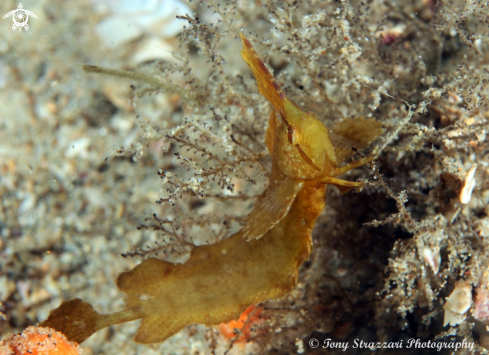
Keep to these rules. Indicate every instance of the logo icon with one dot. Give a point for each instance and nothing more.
(20, 17)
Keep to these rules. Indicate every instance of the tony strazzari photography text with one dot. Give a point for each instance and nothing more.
(409, 344)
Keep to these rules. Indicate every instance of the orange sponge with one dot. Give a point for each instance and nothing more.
(249, 318)
(38, 341)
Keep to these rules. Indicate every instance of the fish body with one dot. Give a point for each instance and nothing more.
(260, 262)
(220, 281)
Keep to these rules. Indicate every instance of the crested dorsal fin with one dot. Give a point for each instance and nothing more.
(267, 86)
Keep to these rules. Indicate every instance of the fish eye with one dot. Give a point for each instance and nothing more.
(290, 134)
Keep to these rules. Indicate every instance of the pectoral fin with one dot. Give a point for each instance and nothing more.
(271, 208)
(352, 134)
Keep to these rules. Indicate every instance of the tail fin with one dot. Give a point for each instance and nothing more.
(76, 319)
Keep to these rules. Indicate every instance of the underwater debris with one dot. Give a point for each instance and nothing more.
(259, 262)
(469, 185)
(432, 258)
(481, 309)
(481, 304)
(457, 304)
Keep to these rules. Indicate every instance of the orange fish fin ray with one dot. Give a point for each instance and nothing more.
(355, 164)
(343, 185)
(353, 134)
(267, 86)
(271, 208)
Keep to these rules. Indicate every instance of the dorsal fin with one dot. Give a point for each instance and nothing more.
(267, 86)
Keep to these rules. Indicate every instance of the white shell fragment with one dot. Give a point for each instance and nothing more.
(466, 192)
(457, 304)
(129, 19)
(300, 345)
(152, 49)
(432, 258)
(116, 31)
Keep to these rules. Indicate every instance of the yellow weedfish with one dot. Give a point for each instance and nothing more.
(259, 262)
